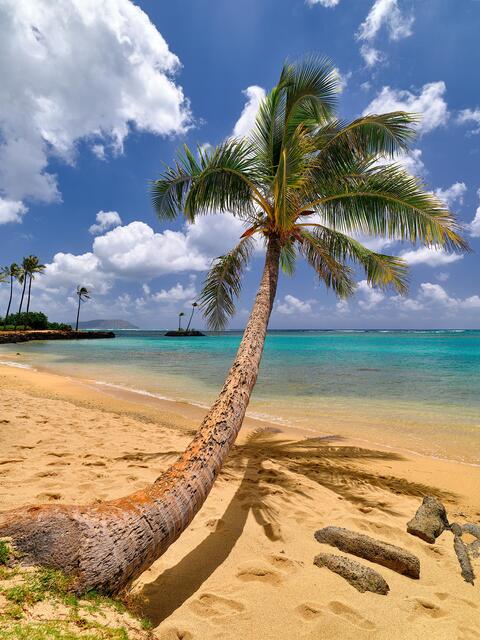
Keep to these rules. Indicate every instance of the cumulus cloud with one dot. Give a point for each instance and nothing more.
(370, 55)
(386, 13)
(11, 210)
(177, 293)
(430, 256)
(437, 294)
(452, 194)
(255, 95)
(466, 116)
(136, 251)
(325, 3)
(292, 305)
(78, 70)
(105, 220)
(429, 103)
(371, 297)
(474, 226)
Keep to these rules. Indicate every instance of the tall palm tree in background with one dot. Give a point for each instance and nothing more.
(305, 184)
(83, 294)
(194, 306)
(22, 279)
(32, 268)
(180, 316)
(11, 272)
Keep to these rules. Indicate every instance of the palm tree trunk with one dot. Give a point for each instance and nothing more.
(78, 313)
(108, 545)
(190, 320)
(29, 294)
(21, 299)
(9, 301)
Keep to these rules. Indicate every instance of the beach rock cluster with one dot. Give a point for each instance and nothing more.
(431, 520)
(361, 577)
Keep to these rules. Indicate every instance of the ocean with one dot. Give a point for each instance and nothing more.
(413, 390)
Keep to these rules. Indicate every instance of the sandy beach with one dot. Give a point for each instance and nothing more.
(244, 568)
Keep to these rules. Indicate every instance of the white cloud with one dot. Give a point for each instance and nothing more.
(324, 3)
(342, 307)
(178, 293)
(386, 13)
(292, 305)
(255, 95)
(11, 210)
(443, 276)
(474, 226)
(430, 256)
(370, 55)
(438, 295)
(470, 115)
(371, 296)
(429, 103)
(105, 220)
(342, 78)
(410, 160)
(78, 70)
(67, 270)
(452, 194)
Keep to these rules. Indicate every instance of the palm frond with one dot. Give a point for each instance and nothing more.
(223, 283)
(386, 201)
(335, 274)
(288, 257)
(381, 270)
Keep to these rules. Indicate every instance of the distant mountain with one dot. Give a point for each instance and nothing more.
(106, 324)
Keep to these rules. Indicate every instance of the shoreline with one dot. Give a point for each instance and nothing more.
(173, 405)
(185, 417)
(14, 337)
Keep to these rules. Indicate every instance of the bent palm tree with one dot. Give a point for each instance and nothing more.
(32, 268)
(11, 272)
(22, 279)
(302, 182)
(194, 306)
(180, 316)
(83, 294)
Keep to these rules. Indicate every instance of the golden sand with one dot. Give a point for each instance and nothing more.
(244, 568)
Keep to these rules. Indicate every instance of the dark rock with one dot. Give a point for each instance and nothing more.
(361, 577)
(184, 334)
(472, 529)
(357, 544)
(12, 337)
(456, 529)
(429, 521)
(464, 560)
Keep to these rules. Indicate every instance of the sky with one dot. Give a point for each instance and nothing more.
(97, 95)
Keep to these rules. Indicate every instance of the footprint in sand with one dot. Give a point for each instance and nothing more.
(425, 607)
(349, 615)
(309, 611)
(283, 563)
(259, 574)
(209, 605)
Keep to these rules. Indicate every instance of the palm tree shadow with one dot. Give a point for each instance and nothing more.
(337, 468)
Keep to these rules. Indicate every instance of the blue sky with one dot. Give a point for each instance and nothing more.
(96, 95)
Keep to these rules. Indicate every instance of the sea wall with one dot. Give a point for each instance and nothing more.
(8, 337)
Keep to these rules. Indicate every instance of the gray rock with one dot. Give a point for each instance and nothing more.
(456, 529)
(360, 577)
(472, 529)
(357, 544)
(464, 560)
(429, 521)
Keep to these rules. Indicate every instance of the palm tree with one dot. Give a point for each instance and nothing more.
(305, 184)
(180, 316)
(194, 305)
(83, 294)
(12, 273)
(22, 278)
(32, 267)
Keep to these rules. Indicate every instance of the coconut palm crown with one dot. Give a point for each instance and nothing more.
(313, 182)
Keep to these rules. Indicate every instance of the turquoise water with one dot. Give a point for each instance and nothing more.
(417, 389)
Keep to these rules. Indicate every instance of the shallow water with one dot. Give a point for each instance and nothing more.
(419, 390)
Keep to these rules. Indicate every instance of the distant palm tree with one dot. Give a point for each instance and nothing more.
(22, 279)
(304, 183)
(180, 316)
(83, 294)
(10, 272)
(194, 305)
(32, 268)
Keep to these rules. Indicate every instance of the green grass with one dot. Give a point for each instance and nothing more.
(61, 631)
(4, 552)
